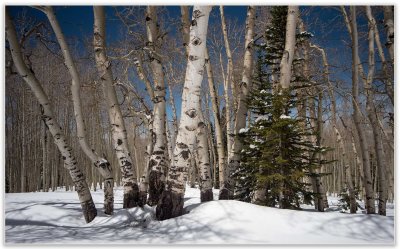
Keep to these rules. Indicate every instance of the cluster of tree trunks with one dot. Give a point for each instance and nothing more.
(195, 149)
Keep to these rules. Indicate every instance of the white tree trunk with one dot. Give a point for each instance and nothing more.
(70, 163)
(158, 163)
(241, 113)
(389, 26)
(185, 27)
(217, 121)
(102, 164)
(171, 203)
(290, 42)
(357, 116)
(372, 116)
(118, 130)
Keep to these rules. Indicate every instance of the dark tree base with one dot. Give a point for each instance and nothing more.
(89, 210)
(223, 194)
(206, 195)
(142, 198)
(156, 187)
(108, 208)
(131, 198)
(169, 206)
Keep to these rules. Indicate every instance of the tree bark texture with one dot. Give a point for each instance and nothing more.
(158, 163)
(118, 130)
(171, 203)
(101, 164)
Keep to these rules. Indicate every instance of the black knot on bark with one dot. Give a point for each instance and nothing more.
(196, 41)
(191, 113)
(193, 57)
(119, 141)
(201, 125)
(194, 23)
(182, 146)
(148, 18)
(196, 14)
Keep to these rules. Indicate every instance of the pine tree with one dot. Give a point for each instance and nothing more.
(276, 154)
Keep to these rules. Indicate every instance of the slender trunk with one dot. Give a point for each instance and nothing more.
(241, 114)
(118, 130)
(290, 42)
(158, 163)
(102, 164)
(185, 19)
(171, 202)
(389, 26)
(228, 51)
(217, 121)
(88, 207)
(357, 116)
(203, 163)
(372, 116)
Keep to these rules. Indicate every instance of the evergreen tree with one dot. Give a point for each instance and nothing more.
(277, 154)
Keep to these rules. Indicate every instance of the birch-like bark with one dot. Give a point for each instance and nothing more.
(229, 78)
(241, 113)
(171, 202)
(226, 80)
(203, 162)
(118, 130)
(290, 42)
(357, 115)
(185, 27)
(372, 116)
(101, 164)
(158, 163)
(70, 163)
(389, 26)
(217, 122)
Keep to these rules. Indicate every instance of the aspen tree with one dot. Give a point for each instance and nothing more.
(118, 130)
(158, 163)
(357, 115)
(70, 163)
(241, 113)
(192, 122)
(100, 163)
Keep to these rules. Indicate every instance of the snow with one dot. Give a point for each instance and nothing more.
(307, 33)
(243, 130)
(283, 116)
(262, 117)
(55, 218)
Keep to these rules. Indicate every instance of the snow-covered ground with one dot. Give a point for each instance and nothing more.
(55, 218)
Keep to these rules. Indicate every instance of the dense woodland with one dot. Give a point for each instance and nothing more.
(256, 108)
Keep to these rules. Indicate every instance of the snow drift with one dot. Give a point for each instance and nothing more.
(55, 217)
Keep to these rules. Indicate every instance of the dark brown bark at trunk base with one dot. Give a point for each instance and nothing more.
(169, 206)
(131, 197)
(206, 195)
(156, 187)
(353, 202)
(89, 210)
(381, 207)
(142, 197)
(108, 208)
(108, 196)
(223, 194)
